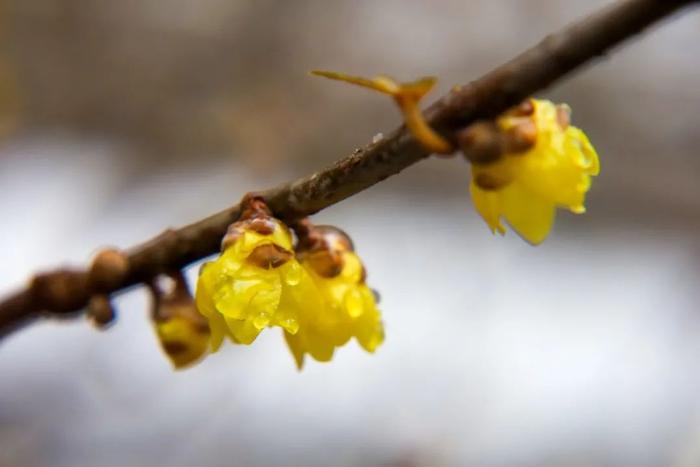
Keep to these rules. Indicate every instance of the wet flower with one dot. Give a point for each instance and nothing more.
(347, 307)
(256, 282)
(543, 163)
(182, 331)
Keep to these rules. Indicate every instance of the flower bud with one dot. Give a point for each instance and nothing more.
(348, 306)
(182, 331)
(256, 282)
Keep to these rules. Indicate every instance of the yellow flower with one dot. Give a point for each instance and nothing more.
(185, 341)
(256, 282)
(320, 300)
(182, 331)
(347, 306)
(525, 187)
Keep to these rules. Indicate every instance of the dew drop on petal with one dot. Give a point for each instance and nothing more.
(291, 325)
(353, 303)
(293, 274)
(261, 320)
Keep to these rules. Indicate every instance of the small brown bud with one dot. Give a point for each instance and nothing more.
(487, 182)
(481, 142)
(322, 246)
(261, 225)
(335, 238)
(524, 109)
(108, 269)
(100, 311)
(521, 138)
(253, 206)
(255, 216)
(326, 263)
(269, 256)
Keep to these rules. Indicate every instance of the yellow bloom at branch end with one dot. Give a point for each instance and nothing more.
(256, 282)
(347, 306)
(525, 186)
(182, 331)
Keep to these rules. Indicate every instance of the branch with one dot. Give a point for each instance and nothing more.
(66, 292)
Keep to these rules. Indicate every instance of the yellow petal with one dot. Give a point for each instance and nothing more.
(488, 205)
(218, 328)
(243, 331)
(369, 329)
(183, 343)
(319, 345)
(294, 344)
(590, 155)
(530, 215)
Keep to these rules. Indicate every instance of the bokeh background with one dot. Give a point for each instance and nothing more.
(119, 119)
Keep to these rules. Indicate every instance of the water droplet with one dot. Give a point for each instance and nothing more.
(293, 275)
(353, 303)
(291, 325)
(261, 320)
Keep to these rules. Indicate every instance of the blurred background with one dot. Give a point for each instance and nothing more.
(118, 119)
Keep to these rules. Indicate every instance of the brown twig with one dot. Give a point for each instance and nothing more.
(66, 292)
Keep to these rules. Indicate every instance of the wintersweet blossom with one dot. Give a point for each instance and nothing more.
(535, 160)
(347, 308)
(315, 292)
(525, 187)
(182, 331)
(256, 282)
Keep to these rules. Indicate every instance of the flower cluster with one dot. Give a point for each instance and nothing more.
(524, 164)
(260, 281)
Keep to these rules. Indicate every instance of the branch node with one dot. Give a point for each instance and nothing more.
(60, 293)
(108, 270)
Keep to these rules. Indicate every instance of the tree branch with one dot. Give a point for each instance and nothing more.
(66, 292)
